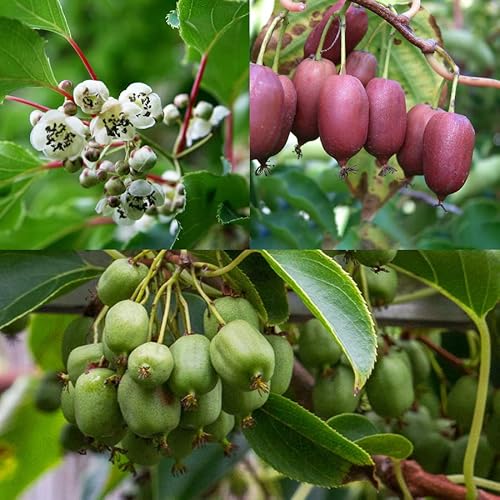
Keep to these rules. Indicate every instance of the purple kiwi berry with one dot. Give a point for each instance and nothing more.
(289, 110)
(362, 65)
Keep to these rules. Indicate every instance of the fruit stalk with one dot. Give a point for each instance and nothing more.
(207, 299)
(184, 308)
(321, 44)
(234, 263)
(283, 27)
(269, 34)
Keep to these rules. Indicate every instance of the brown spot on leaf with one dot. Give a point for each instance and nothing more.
(397, 41)
(287, 38)
(316, 13)
(298, 29)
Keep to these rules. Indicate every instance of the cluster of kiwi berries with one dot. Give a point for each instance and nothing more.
(141, 399)
(356, 109)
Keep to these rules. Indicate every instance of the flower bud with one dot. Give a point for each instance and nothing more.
(122, 168)
(203, 110)
(73, 166)
(91, 154)
(170, 115)
(70, 108)
(107, 166)
(35, 117)
(114, 186)
(181, 100)
(66, 85)
(113, 201)
(142, 159)
(88, 178)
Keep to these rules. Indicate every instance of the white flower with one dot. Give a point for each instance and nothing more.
(140, 196)
(198, 128)
(115, 122)
(59, 136)
(142, 159)
(143, 96)
(90, 95)
(218, 114)
(171, 114)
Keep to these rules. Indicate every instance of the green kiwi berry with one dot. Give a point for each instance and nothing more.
(126, 326)
(241, 403)
(334, 395)
(419, 360)
(375, 258)
(242, 356)
(230, 308)
(48, 392)
(390, 386)
(462, 400)
(72, 439)
(317, 348)
(83, 357)
(219, 429)
(193, 373)
(150, 364)
(430, 400)
(180, 445)
(484, 458)
(96, 403)
(382, 286)
(76, 334)
(283, 364)
(431, 451)
(414, 424)
(139, 450)
(206, 412)
(147, 412)
(119, 281)
(68, 402)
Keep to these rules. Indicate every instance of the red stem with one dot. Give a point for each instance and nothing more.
(192, 98)
(63, 93)
(28, 103)
(228, 146)
(99, 221)
(53, 164)
(160, 180)
(84, 60)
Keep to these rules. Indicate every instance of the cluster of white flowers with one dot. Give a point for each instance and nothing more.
(83, 143)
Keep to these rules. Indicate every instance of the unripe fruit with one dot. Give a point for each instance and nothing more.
(150, 364)
(462, 400)
(72, 438)
(207, 411)
(242, 356)
(68, 403)
(83, 357)
(289, 110)
(334, 395)
(113, 439)
(390, 387)
(48, 392)
(375, 258)
(126, 326)
(362, 65)
(17, 326)
(283, 363)
(75, 335)
(343, 117)
(419, 360)
(387, 127)
(139, 450)
(96, 404)
(266, 108)
(484, 457)
(447, 152)
(410, 156)
(147, 411)
(414, 424)
(382, 286)
(230, 308)
(119, 281)
(219, 429)
(431, 401)
(308, 80)
(180, 445)
(241, 403)
(356, 27)
(193, 373)
(493, 432)
(431, 451)
(317, 348)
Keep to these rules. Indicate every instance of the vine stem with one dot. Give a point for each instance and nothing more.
(422, 293)
(396, 464)
(234, 263)
(27, 102)
(194, 147)
(83, 58)
(207, 299)
(139, 291)
(168, 284)
(283, 27)
(185, 309)
(479, 408)
(181, 140)
(413, 10)
(115, 254)
(487, 484)
(97, 322)
(166, 310)
(454, 360)
(269, 34)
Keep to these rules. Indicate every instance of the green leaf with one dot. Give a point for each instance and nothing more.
(204, 193)
(15, 160)
(391, 445)
(333, 297)
(12, 208)
(352, 425)
(30, 279)
(23, 62)
(45, 339)
(303, 447)
(468, 278)
(301, 192)
(41, 14)
(218, 28)
(270, 287)
(29, 439)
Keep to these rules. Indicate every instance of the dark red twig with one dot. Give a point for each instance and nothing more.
(454, 360)
(192, 98)
(82, 57)
(27, 102)
(53, 164)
